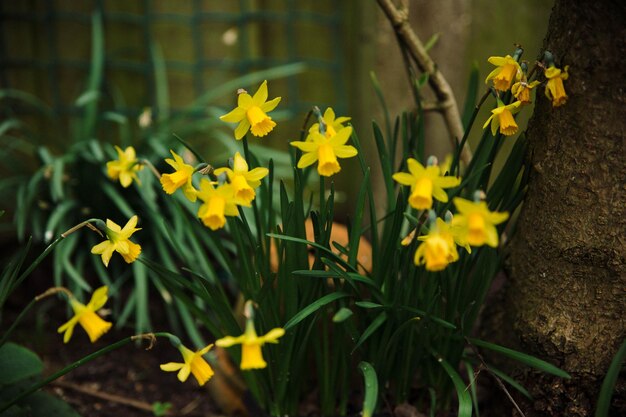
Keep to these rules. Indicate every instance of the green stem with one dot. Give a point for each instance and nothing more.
(47, 293)
(45, 253)
(6, 335)
(455, 161)
(77, 364)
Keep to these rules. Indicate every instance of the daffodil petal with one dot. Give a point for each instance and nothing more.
(98, 298)
(415, 167)
(171, 366)
(440, 194)
(307, 159)
(305, 146)
(273, 335)
(234, 116)
(244, 100)
(270, 105)
(404, 178)
(261, 94)
(184, 372)
(229, 341)
(345, 151)
(242, 129)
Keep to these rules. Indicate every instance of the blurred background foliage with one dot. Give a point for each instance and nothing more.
(68, 94)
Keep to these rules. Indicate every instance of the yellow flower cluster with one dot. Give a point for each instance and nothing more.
(473, 225)
(251, 355)
(325, 143)
(510, 75)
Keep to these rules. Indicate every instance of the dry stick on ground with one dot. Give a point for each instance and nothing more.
(448, 106)
(141, 405)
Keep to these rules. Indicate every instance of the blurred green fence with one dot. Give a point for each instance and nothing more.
(45, 49)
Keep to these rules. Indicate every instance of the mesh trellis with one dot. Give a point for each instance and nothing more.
(45, 48)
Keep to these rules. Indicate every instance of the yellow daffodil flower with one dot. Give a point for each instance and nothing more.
(86, 316)
(125, 168)
(502, 116)
(251, 355)
(194, 363)
(118, 241)
(476, 224)
(554, 87)
(326, 150)
(425, 183)
(521, 90)
(438, 248)
(333, 124)
(218, 203)
(181, 177)
(507, 70)
(243, 181)
(251, 113)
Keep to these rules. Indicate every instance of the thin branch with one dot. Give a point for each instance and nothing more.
(436, 80)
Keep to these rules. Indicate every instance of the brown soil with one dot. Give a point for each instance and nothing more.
(125, 382)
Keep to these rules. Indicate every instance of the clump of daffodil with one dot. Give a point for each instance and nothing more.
(219, 202)
(180, 178)
(332, 124)
(438, 247)
(325, 150)
(251, 113)
(554, 86)
(125, 168)
(86, 316)
(426, 183)
(476, 224)
(242, 180)
(251, 355)
(507, 70)
(521, 89)
(502, 117)
(193, 363)
(118, 240)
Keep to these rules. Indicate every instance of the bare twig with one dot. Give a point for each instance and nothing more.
(141, 405)
(440, 86)
(497, 379)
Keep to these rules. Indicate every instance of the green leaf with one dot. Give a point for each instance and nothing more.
(87, 97)
(511, 382)
(608, 385)
(431, 42)
(522, 357)
(371, 388)
(18, 363)
(378, 321)
(342, 314)
(313, 307)
(368, 304)
(465, 401)
(43, 404)
(470, 97)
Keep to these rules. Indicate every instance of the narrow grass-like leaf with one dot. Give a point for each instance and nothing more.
(522, 357)
(374, 325)
(608, 385)
(470, 97)
(313, 307)
(465, 401)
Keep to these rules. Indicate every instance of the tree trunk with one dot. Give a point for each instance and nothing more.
(565, 301)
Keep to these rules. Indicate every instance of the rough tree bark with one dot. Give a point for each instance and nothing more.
(565, 301)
